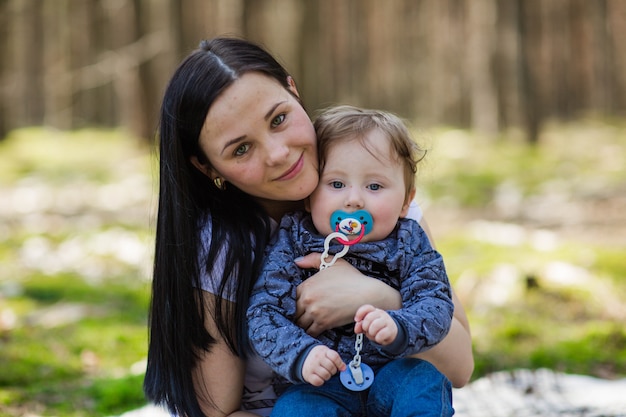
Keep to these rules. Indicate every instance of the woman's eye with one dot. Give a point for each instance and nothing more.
(375, 187)
(278, 120)
(242, 149)
(336, 184)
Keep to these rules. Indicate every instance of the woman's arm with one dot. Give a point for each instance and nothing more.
(219, 374)
(331, 297)
(453, 355)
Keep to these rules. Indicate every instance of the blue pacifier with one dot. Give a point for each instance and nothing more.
(345, 224)
(357, 377)
(351, 223)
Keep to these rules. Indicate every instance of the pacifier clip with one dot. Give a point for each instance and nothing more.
(357, 376)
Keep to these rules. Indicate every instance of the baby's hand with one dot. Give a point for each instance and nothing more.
(320, 364)
(376, 324)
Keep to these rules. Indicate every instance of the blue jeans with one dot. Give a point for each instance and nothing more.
(401, 388)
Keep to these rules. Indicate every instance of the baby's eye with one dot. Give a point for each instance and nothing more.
(336, 184)
(375, 187)
(242, 149)
(276, 121)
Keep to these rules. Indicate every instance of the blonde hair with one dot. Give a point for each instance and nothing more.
(341, 122)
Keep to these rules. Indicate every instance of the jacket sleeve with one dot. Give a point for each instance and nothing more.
(272, 330)
(427, 307)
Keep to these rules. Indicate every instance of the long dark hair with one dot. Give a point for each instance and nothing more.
(187, 200)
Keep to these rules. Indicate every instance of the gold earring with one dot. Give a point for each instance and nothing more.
(219, 183)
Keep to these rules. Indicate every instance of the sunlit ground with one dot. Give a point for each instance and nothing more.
(534, 241)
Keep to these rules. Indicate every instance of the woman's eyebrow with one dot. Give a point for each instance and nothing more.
(271, 111)
(232, 142)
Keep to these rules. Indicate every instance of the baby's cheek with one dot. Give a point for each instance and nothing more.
(322, 223)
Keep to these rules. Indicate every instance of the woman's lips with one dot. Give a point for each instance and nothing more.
(293, 170)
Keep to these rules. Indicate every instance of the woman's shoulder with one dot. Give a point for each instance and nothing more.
(211, 275)
(415, 212)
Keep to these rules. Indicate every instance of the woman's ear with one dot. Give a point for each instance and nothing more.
(407, 203)
(292, 86)
(202, 167)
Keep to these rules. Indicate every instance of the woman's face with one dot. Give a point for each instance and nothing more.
(258, 137)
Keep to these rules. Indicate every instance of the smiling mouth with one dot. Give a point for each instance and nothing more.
(293, 170)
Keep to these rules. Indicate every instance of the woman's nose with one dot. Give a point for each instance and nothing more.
(277, 152)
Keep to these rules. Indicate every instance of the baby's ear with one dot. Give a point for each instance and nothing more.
(407, 202)
(307, 204)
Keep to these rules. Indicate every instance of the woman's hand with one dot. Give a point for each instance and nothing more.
(331, 297)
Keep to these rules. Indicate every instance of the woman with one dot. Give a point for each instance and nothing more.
(237, 151)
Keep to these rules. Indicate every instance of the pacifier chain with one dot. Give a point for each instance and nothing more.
(358, 376)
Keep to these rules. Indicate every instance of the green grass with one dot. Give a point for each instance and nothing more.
(81, 366)
(573, 158)
(93, 155)
(77, 234)
(538, 320)
(74, 288)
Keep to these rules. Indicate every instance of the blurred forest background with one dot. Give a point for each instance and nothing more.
(487, 65)
(521, 103)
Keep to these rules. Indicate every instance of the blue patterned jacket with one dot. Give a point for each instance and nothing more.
(405, 260)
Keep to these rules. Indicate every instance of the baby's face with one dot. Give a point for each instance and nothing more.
(353, 179)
